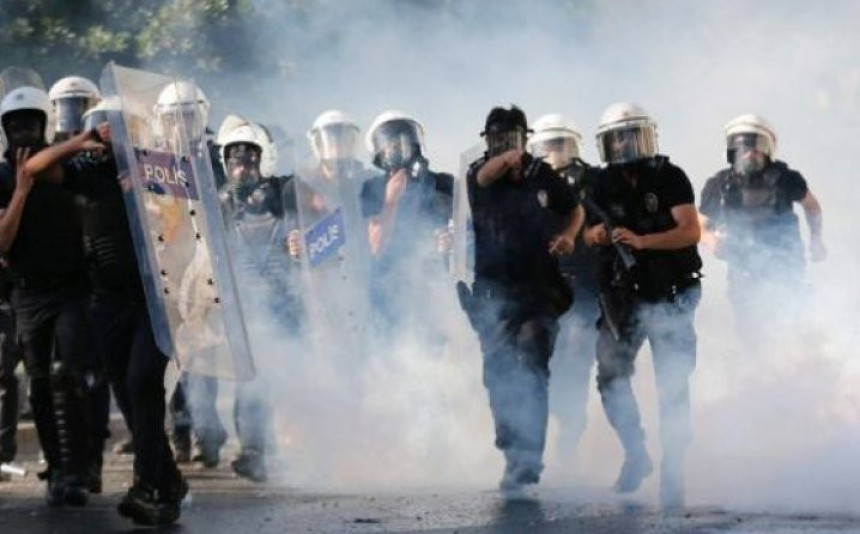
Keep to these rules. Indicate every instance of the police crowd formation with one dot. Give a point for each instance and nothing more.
(573, 262)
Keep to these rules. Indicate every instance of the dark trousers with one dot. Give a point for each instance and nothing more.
(97, 396)
(136, 368)
(251, 412)
(517, 347)
(668, 326)
(52, 327)
(10, 357)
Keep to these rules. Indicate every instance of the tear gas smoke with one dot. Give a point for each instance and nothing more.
(775, 427)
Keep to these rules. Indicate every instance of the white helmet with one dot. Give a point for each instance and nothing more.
(752, 130)
(182, 102)
(254, 135)
(32, 99)
(554, 140)
(333, 136)
(626, 133)
(394, 139)
(72, 96)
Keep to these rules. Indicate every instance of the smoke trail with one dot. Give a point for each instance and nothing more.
(774, 429)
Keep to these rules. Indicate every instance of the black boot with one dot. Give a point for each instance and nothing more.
(68, 413)
(139, 504)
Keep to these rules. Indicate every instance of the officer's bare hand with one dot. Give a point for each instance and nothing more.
(514, 163)
(562, 244)
(94, 141)
(444, 241)
(395, 187)
(625, 236)
(596, 235)
(23, 179)
(817, 250)
(294, 244)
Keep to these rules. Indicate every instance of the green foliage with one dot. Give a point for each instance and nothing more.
(58, 37)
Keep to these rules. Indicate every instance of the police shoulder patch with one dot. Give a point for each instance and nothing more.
(543, 198)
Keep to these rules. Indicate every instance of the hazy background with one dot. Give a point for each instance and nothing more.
(774, 429)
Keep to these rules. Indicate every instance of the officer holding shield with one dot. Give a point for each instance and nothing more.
(135, 365)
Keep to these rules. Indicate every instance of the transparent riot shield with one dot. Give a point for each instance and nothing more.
(463, 247)
(335, 261)
(12, 78)
(177, 226)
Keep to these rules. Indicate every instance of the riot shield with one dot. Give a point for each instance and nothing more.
(463, 246)
(177, 227)
(335, 262)
(12, 78)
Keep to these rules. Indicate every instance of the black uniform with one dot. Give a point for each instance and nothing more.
(409, 259)
(656, 300)
(10, 357)
(574, 355)
(49, 301)
(517, 298)
(761, 243)
(134, 363)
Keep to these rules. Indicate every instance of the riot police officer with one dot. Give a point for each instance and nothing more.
(523, 215)
(253, 201)
(748, 220)
(559, 144)
(72, 97)
(407, 208)
(41, 236)
(646, 223)
(134, 363)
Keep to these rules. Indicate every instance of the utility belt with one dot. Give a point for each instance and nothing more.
(666, 293)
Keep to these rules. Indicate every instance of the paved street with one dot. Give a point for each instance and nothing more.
(223, 503)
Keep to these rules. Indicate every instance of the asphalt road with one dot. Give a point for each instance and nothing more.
(223, 503)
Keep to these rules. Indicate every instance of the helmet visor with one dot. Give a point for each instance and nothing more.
(748, 152)
(242, 162)
(558, 152)
(500, 141)
(626, 145)
(396, 144)
(24, 127)
(69, 114)
(185, 121)
(335, 141)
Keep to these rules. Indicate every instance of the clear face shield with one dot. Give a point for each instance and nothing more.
(502, 140)
(627, 145)
(69, 114)
(335, 142)
(558, 152)
(242, 162)
(25, 128)
(184, 120)
(397, 144)
(748, 152)
(94, 118)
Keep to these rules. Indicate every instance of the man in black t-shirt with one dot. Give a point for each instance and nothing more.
(749, 221)
(523, 215)
(40, 234)
(646, 223)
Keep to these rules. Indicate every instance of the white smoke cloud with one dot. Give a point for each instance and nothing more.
(779, 429)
